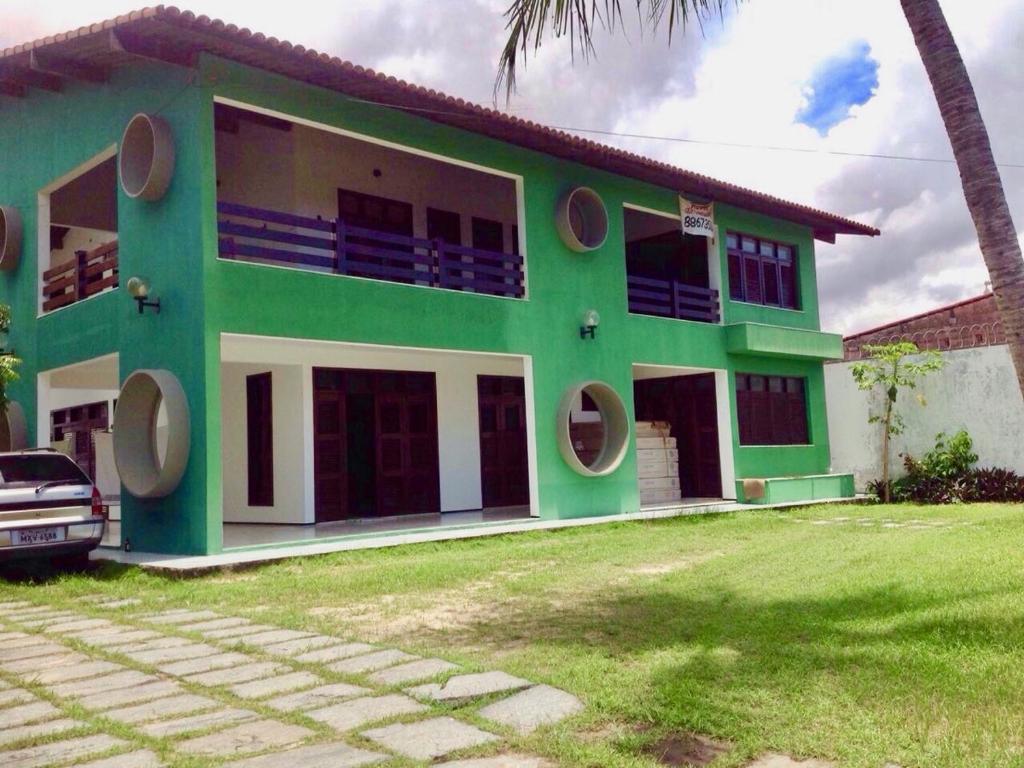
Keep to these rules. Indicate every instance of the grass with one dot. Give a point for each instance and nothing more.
(858, 643)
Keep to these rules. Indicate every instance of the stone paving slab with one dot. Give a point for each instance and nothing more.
(335, 653)
(260, 639)
(176, 653)
(785, 761)
(161, 709)
(208, 624)
(59, 751)
(367, 709)
(204, 664)
(35, 730)
(501, 761)
(131, 637)
(11, 606)
(180, 617)
(302, 645)
(67, 672)
(115, 603)
(33, 646)
(62, 657)
(248, 737)
(11, 696)
(105, 683)
(24, 714)
(142, 758)
(37, 650)
(371, 662)
(528, 710)
(336, 755)
(466, 687)
(427, 739)
(158, 642)
(122, 697)
(78, 625)
(316, 697)
(44, 621)
(232, 632)
(268, 686)
(240, 674)
(202, 722)
(99, 633)
(412, 671)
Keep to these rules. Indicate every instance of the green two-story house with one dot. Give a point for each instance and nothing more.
(262, 294)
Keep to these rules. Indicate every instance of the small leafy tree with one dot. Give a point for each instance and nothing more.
(8, 362)
(889, 370)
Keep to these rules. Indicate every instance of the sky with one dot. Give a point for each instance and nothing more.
(836, 76)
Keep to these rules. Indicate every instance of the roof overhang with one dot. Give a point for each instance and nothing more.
(168, 34)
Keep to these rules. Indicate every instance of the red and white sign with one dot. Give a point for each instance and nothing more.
(698, 218)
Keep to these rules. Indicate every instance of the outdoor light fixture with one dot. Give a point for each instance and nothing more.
(591, 319)
(138, 289)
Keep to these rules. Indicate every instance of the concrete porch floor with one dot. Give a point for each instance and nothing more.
(195, 564)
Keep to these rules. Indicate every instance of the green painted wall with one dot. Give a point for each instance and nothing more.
(46, 136)
(174, 242)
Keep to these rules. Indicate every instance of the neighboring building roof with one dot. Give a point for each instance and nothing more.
(963, 324)
(179, 36)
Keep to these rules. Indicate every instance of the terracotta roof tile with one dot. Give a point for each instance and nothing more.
(239, 43)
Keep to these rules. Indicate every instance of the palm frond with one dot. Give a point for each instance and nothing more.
(529, 22)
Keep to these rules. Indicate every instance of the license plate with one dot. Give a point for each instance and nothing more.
(37, 536)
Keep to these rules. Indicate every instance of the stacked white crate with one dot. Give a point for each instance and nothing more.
(657, 463)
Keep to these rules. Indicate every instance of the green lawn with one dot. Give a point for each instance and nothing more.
(859, 642)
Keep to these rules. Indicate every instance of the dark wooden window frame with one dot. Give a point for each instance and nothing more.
(772, 410)
(260, 439)
(740, 290)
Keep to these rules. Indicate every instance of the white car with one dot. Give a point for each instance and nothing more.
(48, 507)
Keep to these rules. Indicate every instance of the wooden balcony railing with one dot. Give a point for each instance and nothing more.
(259, 234)
(671, 298)
(84, 275)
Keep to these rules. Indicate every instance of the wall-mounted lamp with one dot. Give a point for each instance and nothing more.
(591, 319)
(138, 289)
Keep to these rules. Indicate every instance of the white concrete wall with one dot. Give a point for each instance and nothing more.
(291, 504)
(976, 390)
(457, 414)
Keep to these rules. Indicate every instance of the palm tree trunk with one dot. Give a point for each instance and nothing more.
(983, 188)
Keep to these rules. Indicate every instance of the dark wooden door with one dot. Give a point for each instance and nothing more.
(504, 466)
(382, 214)
(330, 456)
(689, 404)
(408, 478)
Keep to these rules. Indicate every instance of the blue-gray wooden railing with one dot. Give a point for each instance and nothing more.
(671, 298)
(258, 233)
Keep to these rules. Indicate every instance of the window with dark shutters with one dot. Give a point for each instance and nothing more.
(761, 271)
(771, 410)
(260, 439)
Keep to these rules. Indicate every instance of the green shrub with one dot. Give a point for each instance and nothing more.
(946, 475)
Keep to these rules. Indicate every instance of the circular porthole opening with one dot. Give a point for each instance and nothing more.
(582, 219)
(13, 428)
(151, 434)
(146, 158)
(593, 429)
(10, 237)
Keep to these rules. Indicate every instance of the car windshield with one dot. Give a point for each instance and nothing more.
(39, 468)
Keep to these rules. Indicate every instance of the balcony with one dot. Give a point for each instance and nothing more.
(85, 274)
(672, 298)
(274, 237)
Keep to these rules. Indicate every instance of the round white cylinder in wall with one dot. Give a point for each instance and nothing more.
(146, 157)
(10, 238)
(146, 469)
(615, 441)
(581, 219)
(13, 428)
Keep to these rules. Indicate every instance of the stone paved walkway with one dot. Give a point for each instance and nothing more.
(137, 690)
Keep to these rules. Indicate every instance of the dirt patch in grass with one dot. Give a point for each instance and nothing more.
(687, 750)
(671, 566)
